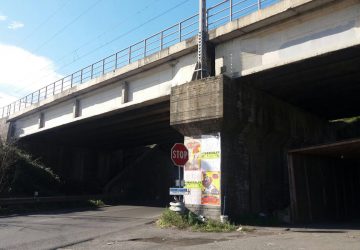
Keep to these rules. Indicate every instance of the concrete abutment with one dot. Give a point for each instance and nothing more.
(256, 132)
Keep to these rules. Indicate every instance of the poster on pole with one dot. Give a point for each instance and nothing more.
(203, 170)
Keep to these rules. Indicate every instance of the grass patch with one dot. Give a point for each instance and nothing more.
(170, 219)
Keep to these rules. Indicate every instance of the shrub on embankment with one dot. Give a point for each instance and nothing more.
(21, 175)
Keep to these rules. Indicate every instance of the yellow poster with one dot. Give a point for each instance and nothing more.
(210, 194)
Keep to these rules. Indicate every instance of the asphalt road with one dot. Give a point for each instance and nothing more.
(132, 227)
(65, 228)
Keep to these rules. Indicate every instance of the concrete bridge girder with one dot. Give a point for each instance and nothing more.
(287, 32)
(309, 33)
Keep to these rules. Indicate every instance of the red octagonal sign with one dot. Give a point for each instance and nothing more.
(179, 154)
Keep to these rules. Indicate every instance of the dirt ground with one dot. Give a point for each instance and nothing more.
(133, 227)
(150, 237)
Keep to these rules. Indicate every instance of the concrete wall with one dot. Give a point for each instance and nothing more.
(149, 85)
(198, 103)
(332, 27)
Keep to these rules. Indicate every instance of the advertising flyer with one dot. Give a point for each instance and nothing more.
(203, 170)
(210, 191)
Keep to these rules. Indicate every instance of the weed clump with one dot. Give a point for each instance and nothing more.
(96, 203)
(189, 220)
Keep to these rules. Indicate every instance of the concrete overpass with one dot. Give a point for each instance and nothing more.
(279, 74)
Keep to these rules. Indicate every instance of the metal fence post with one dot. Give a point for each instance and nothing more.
(62, 85)
(259, 4)
(71, 80)
(231, 10)
(161, 39)
(81, 76)
(180, 35)
(38, 96)
(145, 48)
(92, 71)
(116, 59)
(129, 59)
(103, 66)
(46, 90)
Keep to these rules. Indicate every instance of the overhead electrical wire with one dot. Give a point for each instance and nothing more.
(68, 25)
(45, 21)
(126, 33)
(118, 37)
(59, 32)
(90, 41)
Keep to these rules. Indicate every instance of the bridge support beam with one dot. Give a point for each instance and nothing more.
(256, 132)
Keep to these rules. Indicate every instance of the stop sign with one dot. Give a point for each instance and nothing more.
(179, 154)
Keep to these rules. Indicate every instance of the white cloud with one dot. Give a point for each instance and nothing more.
(14, 25)
(3, 18)
(23, 72)
(6, 100)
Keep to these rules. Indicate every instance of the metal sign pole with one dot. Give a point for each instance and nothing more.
(179, 184)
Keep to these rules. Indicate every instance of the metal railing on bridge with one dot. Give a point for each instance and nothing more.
(217, 15)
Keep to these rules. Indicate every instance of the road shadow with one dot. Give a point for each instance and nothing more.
(56, 208)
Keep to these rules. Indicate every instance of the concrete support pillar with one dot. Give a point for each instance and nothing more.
(196, 111)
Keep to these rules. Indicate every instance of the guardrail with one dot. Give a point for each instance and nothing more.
(217, 15)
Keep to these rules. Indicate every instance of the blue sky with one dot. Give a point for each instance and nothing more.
(43, 40)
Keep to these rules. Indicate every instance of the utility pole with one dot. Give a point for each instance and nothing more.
(201, 70)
